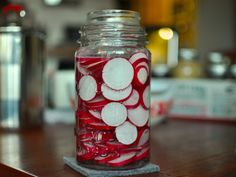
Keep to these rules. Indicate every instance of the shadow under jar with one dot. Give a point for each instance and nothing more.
(113, 92)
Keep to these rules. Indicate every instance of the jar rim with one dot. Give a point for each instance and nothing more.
(113, 15)
(113, 27)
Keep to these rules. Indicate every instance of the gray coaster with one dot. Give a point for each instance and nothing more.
(71, 162)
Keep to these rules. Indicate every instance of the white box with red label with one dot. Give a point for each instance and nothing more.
(204, 99)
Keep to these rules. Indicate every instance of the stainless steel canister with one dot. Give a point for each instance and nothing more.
(21, 77)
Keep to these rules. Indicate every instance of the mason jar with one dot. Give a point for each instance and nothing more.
(113, 92)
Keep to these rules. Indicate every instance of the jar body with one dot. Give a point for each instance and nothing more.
(112, 116)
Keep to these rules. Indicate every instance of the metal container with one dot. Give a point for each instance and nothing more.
(21, 77)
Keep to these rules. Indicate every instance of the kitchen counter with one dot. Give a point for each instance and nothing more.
(181, 148)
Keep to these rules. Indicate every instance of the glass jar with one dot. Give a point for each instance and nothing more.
(112, 87)
(188, 66)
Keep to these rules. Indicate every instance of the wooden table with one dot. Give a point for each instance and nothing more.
(182, 149)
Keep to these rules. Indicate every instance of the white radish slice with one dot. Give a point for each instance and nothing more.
(90, 60)
(144, 137)
(123, 159)
(137, 56)
(116, 95)
(138, 116)
(87, 88)
(118, 73)
(115, 145)
(133, 100)
(76, 102)
(142, 75)
(146, 97)
(84, 155)
(100, 126)
(94, 64)
(96, 114)
(126, 133)
(114, 114)
(106, 158)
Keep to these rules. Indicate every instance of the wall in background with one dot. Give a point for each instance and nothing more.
(216, 29)
(216, 25)
(54, 19)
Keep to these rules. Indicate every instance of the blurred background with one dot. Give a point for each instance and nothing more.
(193, 46)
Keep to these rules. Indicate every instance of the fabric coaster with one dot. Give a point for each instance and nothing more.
(71, 162)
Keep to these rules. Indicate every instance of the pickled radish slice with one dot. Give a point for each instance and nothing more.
(106, 158)
(131, 149)
(85, 136)
(87, 88)
(138, 116)
(88, 146)
(114, 114)
(96, 103)
(146, 97)
(104, 136)
(143, 63)
(118, 73)
(137, 56)
(144, 153)
(116, 95)
(144, 137)
(82, 70)
(133, 100)
(96, 114)
(141, 75)
(124, 159)
(85, 116)
(126, 133)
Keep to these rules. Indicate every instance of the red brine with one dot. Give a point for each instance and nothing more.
(113, 110)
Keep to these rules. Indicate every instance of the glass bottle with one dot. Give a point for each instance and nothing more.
(112, 87)
(188, 66)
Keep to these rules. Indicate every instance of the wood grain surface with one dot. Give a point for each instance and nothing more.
(181, 148)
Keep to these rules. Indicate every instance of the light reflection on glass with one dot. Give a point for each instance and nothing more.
(166, 33)
(22, 13)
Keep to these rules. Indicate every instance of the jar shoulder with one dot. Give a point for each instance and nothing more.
(110, 51)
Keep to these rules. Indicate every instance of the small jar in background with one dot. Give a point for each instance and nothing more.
(188, 66)
(217, 65)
